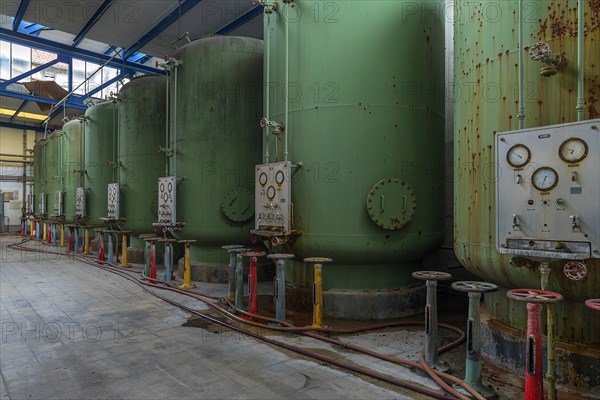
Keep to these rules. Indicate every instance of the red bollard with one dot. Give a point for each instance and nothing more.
(534, 374)
(252, 282)
(49, 233)
(153, 258)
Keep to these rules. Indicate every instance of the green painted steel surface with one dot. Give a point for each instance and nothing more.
(52, 170)
(486, 94)
(141, 132)
(71, 144)
(100, 134)
(365, 103)
(217, 138)
(39, 177)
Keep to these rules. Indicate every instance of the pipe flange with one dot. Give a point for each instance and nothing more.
(431, 275)
(534, 296)
(474, 287)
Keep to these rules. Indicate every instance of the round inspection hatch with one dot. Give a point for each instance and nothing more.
(238, 205)
(391, 203)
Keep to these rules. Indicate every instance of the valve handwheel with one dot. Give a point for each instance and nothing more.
(534, 296)
(575, 270)
(593, 304)
(474, 287)
(263, 122)
(431, 275)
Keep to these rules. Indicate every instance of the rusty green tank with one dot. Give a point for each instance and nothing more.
(72, 165)
(486, 94)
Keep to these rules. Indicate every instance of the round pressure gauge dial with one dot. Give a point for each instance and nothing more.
(271, 192)
(262, 179)
(573, 150)
(279, 177)
(518, 155)
(544, 179)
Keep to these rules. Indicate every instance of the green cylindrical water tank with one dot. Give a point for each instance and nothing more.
(142, 125)
(364, 90)
(52, 169)
(39, 176)
(100, 136)
(216, 107)
(72, 165)
(486, 94)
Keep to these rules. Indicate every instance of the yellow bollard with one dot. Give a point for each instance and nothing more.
(187, 275)
(45, 232)
(124, 263)
(86, 244)
(62, 235)
(318, 289)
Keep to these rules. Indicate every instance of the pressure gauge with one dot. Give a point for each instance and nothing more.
(573, 150)
(544, 179)
(271, 192)
(279, 177)
(518, 155)
(263, 179)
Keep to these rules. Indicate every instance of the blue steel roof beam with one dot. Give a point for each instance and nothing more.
(20, 14)
(18, 110)
(241, 20)
(93, 21)
(24, 75)
(159, 28)
(22, 96)
(21, 126)
(76, 52)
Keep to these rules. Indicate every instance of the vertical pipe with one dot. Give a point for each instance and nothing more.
(318, 297)
(168, 120)
(174, 130)
(168, 262)
(239, 287)
(580, 65)
(75, 240)
(551, 356)
(267, 36)
(153, 259)
(101, 257)
(70, 240)
(253, 287)
(231, 292)
(62, 235)
(534, 380)
(280, 307)
(287, 84)
(521, 114)
(24, 203)
(473, 363)
(431, 337)
(111, 254)
(187, 275)
(86, 243)
(124, 262)
(147, 259)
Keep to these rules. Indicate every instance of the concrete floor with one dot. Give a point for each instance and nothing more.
(72, 331)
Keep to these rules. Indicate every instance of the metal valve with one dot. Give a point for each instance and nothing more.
(575, 270)
(540, 51)
(575, 223)
(518, 179)
(278, 127)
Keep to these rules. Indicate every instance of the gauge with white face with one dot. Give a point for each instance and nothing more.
(279, 177)
(518, 155)
(263, 179)
(544, 179)
(573, 150)
(271, 192)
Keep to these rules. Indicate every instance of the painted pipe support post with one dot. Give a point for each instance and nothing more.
(86, 242)
(473, 360)
(70, 239)
(101, 256)
(53, 234)
(168, 256)
(187, 274)
(76, 239)
(239, 279)
(431, 353)
(124, 261)
(62, 235)
(279, 284)
(37, 231)
(318, 288)
(534, 374)
(252, 282)
(111, 248)
(232, 278)
(146, 253)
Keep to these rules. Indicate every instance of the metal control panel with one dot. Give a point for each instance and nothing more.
(113, 204)
(548, 191)
(58, 204)
(167, 201)
(80, 203)
(42, 204)
(273, 198)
